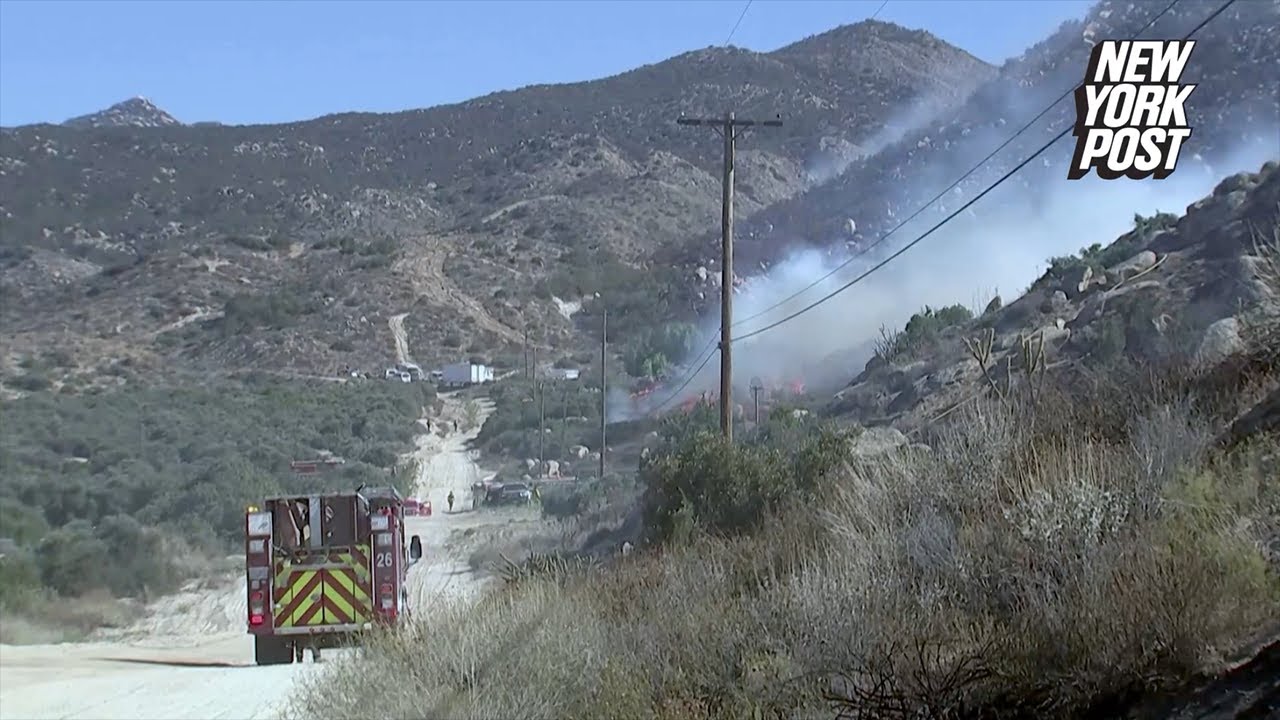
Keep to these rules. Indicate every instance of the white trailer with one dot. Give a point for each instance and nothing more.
(461, 374)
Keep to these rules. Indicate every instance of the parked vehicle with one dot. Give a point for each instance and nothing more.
(412, 370)
(510, 494)
(463, 374)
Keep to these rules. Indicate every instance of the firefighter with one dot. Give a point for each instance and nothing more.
(450, 500)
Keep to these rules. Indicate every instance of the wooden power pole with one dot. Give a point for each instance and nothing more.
(604, 391)
(542, 427)
(728, 129)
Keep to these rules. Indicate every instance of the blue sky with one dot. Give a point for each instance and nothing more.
(238, 62)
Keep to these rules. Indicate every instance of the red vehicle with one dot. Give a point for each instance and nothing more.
(322, 569)
(414, 506)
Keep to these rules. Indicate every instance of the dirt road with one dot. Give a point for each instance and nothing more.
(190, 656)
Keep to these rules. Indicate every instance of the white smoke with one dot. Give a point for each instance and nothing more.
(831, 160)
(1003, 242)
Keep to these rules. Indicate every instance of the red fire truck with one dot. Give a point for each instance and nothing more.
(322, 569)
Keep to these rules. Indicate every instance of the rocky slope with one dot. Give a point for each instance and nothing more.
(1175, 287)
(1236, 104)
(289, 246)
(135, 112)
(470, 217)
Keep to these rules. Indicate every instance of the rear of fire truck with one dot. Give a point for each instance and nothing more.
(322, 569)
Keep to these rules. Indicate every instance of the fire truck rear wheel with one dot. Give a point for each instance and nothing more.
(272, 651)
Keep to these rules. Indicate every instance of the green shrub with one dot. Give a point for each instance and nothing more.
(922, 331)
(117, 474)
(731, 489)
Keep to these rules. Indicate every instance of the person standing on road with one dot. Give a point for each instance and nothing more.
(450, 500)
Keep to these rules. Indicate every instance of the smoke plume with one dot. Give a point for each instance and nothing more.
(1002, 243)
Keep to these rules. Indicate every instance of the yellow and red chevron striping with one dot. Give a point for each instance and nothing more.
(303, 585)
(337, 592)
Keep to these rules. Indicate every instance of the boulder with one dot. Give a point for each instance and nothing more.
(1090, 311)
(1139, 263)
(1221, 340)
(877, 441)
(579, 451)
(1076, 281)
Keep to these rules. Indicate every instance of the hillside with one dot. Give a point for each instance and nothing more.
(1096, 536)
(1236, 105)
(1174, 289)
(134, 112)
(282, 244)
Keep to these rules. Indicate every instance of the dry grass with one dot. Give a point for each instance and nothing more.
(55, 620)
(1038, 562)
(1263, 323)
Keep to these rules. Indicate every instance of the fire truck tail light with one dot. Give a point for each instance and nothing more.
(257, 546)
(379, 522)
(255, 620)
(255, 596)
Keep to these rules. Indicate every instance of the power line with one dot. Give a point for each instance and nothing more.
(711, 343)
(676, 393)
(702, 364)
(950, 217)
(970, 203)
(940, 195)
(735, 25)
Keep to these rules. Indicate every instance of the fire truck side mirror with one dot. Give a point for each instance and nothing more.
(415, 548)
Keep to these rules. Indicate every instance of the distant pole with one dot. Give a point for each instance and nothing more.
(564, 419)
(727, 127)
(604, 344)
(527, 444)
(755, 392)
(542, 427)
(526, 352)
(726, 284)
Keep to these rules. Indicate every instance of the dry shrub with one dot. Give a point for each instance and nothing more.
(1262, 323)
(1014, 577)
(1040, 561)
(46, 618)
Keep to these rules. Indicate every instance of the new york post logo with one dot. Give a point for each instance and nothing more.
(1131, 117)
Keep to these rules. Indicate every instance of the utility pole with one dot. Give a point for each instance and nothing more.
(604, 394)
(755, 394)
(728, 129)
(526, 352)
(542, 427)
(564, 419)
